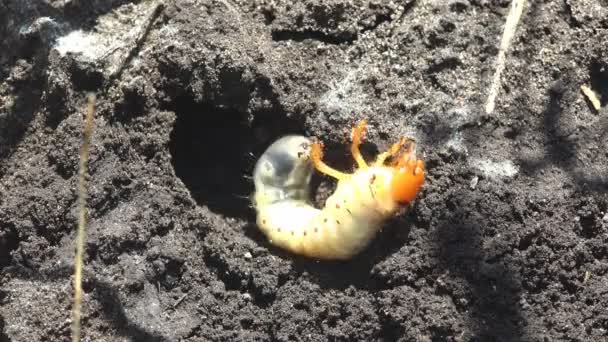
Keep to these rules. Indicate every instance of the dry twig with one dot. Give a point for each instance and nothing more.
(517, 8)
(82, 217)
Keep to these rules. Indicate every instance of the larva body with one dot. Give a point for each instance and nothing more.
(351, 216)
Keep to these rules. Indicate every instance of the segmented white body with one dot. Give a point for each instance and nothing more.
(347, 223)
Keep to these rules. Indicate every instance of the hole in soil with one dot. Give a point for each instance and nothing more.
(3, 335)
(215, 149)
(8, 243)
(599, 80)
(85, 77)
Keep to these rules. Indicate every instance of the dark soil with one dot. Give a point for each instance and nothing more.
(507, 242)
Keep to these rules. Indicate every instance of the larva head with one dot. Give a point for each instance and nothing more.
(284, 170)
(408, 178)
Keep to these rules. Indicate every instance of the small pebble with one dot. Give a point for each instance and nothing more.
(248, 256)
(474, 182)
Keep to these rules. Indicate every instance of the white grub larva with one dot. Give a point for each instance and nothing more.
(352, 216)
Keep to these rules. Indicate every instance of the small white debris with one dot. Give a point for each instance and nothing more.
(79, 42)
(45, 26)
(456, 143)
(591, 96)
(474, 182)
(346, 95)
(495, 169)
(112, 37)
(248, 255)
(246, 296)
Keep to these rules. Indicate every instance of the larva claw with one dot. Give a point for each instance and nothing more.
(419, 167)
(357, 137)
(316, 151)
(395, 148)
(316, 155)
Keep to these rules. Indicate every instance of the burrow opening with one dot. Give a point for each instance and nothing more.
(214, 151)
(8, 243)
(598, 73)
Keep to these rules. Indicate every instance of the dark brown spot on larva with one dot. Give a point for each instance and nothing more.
(350, 212)
(304, 233)
(263, 221)
(325, 220)
(338, 221)
(292, 233)
(316, 230)
(372, 179)
(279, 230)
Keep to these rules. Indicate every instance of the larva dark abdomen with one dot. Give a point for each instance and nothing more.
(351, 216)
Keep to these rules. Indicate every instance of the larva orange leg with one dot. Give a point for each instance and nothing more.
(392, 151)
(357, 137)
(316, 155)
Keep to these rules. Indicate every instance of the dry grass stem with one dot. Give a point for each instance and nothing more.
(82, 217)
(517, 8)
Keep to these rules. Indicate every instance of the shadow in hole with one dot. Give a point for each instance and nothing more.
(494, 303)
(9, 241)
(104, 293)
(3, 336)
(598, 73)
(14, 125)
(214, 152)
(210, 154)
